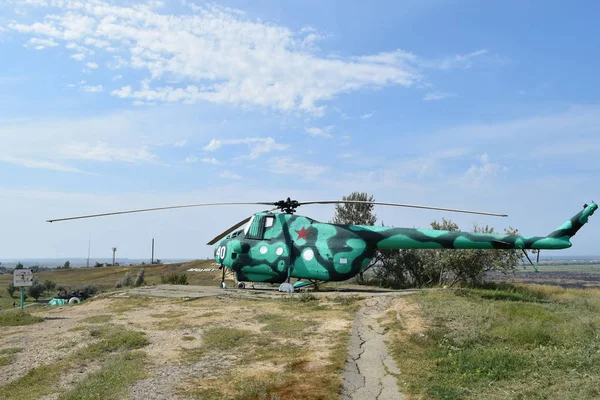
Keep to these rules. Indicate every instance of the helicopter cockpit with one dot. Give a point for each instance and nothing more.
(258, 225)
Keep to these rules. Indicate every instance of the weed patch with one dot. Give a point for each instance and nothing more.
(222, 338)
(112, 380)
(36, 383)
(112, 339)
(18, 318)
(283, 325)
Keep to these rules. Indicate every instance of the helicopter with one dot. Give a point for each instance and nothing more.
(275, 247)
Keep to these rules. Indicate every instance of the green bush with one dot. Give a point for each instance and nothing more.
(11, 289)
(174, 278)
(35, 290)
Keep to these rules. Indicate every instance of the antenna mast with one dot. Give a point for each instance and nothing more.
(114, 249)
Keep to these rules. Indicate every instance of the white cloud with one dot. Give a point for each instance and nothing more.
(463, 61)
(437, 96)
(257, 146)
(117, 77)
(93, 89)
(124, 92)
(367, 116)
(91, 65)
(40, 44)
(286, 165)
(61, 144)
(229, 175)
(180, 143)
(212, 160)
(320, 132)
(222, 55)
(102, 152)
(191, 159)
(478, 174)
(40, 164)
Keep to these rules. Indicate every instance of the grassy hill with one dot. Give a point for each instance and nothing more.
(105, 278)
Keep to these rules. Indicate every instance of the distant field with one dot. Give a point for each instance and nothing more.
(593, 268)
(105, 278)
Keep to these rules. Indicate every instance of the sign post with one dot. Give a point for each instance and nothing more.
(22, 278)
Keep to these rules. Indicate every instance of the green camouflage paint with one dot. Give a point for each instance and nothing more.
(287, 245)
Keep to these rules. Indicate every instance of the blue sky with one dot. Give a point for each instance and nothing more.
(119, 105)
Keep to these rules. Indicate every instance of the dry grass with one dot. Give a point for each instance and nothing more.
(283, 347)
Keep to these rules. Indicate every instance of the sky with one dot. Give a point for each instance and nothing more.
(108, 106)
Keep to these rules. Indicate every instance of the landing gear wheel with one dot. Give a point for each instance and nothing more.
(223, 285)
(74, 300)
(241, 285)
(286, 287)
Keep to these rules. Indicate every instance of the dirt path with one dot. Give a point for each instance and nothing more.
(370, 371)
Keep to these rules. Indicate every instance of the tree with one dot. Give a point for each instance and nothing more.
(357, 214)
(19, 265)
(98, 265)
(36, 289)
(419, 267)
(11, 289)
(67, 265)
(49, 285)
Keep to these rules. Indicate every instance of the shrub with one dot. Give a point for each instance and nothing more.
(126, 281)
(174, 278)
(139, 279)
(88, 290)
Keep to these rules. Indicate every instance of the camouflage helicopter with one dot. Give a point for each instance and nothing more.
(275, 247)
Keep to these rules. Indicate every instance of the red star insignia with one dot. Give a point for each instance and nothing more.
(302, 233)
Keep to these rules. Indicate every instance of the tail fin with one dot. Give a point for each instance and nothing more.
(570, 228)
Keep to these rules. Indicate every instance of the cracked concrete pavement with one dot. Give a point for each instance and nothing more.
(370, 371)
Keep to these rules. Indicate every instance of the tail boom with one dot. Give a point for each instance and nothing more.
(407, 238)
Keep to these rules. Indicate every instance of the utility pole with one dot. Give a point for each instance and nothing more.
(88, 258)
(152, 260)
(114, 249)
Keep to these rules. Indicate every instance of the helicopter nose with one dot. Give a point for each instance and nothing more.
(221, 252)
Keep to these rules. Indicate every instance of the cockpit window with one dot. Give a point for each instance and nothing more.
(247, 228)
(257, 226)
(269, 222)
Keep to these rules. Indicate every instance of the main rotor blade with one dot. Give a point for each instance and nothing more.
(159, 208)
(401, 205)
(234, 227)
